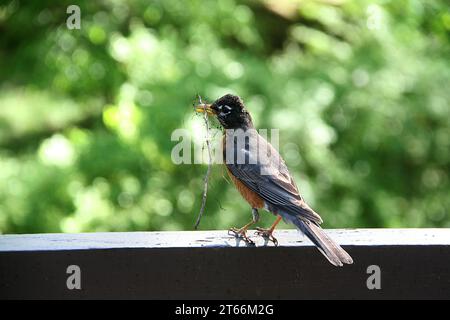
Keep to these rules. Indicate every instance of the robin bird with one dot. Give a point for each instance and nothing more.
(263, 179)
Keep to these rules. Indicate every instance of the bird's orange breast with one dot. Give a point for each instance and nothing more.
(249, 195)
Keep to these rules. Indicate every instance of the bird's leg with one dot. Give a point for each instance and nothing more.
(242, 232)
(267, 233)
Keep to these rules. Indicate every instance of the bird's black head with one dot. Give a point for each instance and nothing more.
(231, 112)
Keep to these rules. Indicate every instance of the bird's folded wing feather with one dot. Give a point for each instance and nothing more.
(271, 180)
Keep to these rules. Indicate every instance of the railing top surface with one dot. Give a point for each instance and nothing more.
(214, 239)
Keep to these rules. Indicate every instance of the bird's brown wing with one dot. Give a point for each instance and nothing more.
(271, 180)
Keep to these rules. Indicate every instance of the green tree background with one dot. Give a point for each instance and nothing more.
(359, 90)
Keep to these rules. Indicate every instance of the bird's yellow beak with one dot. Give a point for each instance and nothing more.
(205, 108)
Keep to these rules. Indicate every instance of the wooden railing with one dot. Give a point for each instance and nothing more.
(389, 263)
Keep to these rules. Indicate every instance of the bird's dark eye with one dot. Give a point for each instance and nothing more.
(224, 110)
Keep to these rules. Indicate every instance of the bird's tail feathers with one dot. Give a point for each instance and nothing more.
(330, 249)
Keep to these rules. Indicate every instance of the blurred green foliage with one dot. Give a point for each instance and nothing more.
(359, 90)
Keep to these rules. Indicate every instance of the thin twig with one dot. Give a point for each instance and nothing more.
(208, 172)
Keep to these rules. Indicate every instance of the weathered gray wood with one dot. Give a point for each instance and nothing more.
(414, 263)
(218, 238)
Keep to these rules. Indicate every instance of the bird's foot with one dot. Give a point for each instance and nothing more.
(241, 234)
(266, 234)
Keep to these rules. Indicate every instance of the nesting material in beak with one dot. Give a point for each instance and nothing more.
(204, 108)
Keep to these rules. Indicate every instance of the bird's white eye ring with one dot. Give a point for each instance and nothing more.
(226, 111)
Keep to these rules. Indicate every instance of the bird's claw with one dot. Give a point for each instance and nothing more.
(241, 234)
(266, 234)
